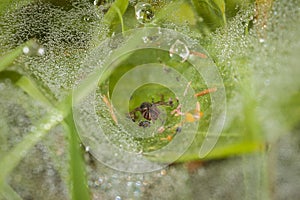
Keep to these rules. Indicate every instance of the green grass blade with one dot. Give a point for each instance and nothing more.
(118, 8)
(11, 75)
(79, 187)
(184, 13)
(8, 59)
(120, 16)
(28, 86)
(221, 6)
(13, 157)
(54, 117)
(9, 193)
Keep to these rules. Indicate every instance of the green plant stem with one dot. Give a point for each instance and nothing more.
(28, 86)
(79, 187)
(12, 158)
(116, 11)
(120, 16)
(78, 182)
(9, 193)
(8, 59)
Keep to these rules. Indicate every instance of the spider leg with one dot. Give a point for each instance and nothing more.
(132, 114)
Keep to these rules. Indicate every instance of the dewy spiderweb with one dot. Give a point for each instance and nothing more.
(128, 68)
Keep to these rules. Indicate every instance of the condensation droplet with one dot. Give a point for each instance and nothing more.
(26, 50)
(47, 126)
(180, 49)
(97, 2)
(59, 117)
(41, 51)
(33, 128)
(129, 184)
(34, 49)
(261, 40)
(159, 31)
(163, 172)
(138, 184)
(145, 39)
(144, 12)
(87, 149)
(118, 198)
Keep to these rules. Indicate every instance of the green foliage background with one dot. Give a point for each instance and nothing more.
(255, 45)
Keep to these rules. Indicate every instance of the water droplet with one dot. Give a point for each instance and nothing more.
(87, 149)
(100, 180)
(85, 18)
(267, 82)
(159, 31)
(59, 117)
(145, 39)
(129, 183)
(47, 126)
(180, 49)
(261, 40)
(97, 2)
(34, 49)
(33, 128)
(163, 172)
(118, 198)
(144, 12)
(26, 50)
(138, 184)
(41, 51)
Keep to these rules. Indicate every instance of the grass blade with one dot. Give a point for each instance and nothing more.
(12, 158)
(79, 188)
(9, 193)
(8, 59)
(28, 86)
(114, 14)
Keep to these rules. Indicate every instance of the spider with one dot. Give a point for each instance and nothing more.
(149, 110)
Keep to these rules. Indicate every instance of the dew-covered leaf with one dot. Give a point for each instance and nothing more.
(114, 14)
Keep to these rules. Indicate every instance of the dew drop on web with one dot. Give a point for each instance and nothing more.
(180, 49)
(34, 49)
(144, 12)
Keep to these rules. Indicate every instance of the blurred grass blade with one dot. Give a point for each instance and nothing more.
(219, 152)
(79, 187)
(8, 59)
(9, 193)
(221, 7)
(11, 75)
(53, 118)
(211, 11)
(184, 13)
(28, 86)
(120, 16)
(13, 157)
(118, 8)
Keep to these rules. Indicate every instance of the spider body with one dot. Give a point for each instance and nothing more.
(149, 111)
